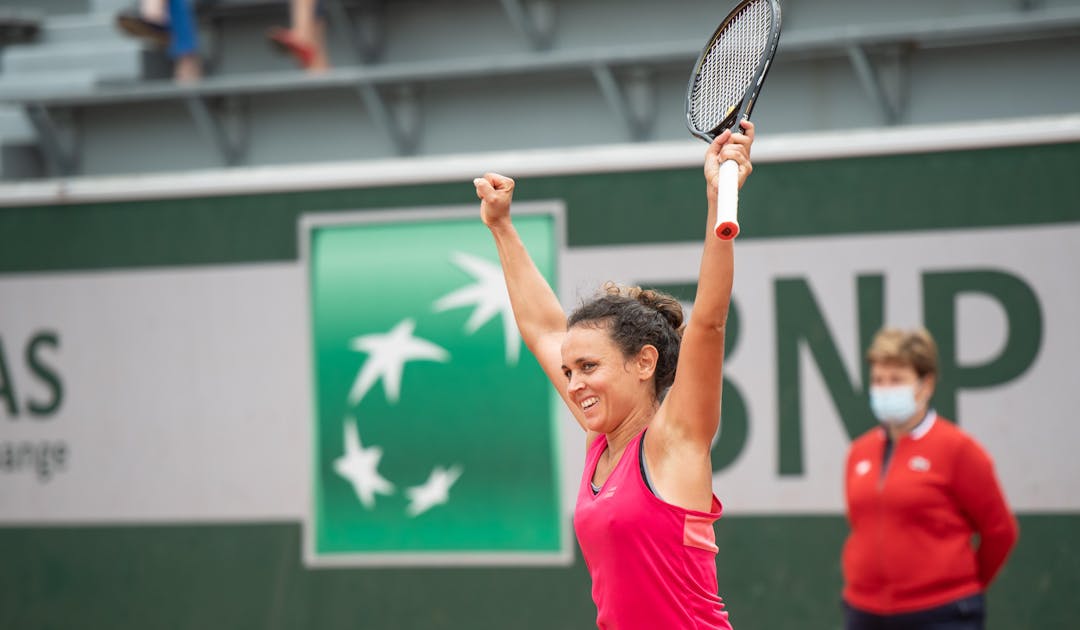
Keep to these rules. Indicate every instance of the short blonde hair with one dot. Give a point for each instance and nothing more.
(907, 347)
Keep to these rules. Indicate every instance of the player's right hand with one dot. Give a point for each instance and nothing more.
(729, 146)
(495, 192)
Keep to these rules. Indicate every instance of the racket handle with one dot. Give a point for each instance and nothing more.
(727, 201)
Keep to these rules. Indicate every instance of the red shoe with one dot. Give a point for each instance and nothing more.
(285, 42)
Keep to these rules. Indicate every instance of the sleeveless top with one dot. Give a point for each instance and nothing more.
(653, 564)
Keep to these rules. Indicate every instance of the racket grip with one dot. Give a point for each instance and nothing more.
(727, 201)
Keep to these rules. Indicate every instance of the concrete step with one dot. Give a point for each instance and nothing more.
(118, 59)
(51, 7)
(47, 84)
(110, 6)
(81, 29)
(14, 127)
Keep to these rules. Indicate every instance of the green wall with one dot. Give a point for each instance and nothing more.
(993, 187)
(773, 572)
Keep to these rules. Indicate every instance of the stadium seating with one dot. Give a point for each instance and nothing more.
(429, 77)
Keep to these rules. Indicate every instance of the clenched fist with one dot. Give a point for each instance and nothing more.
(495, 192)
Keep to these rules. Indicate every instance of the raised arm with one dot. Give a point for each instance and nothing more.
(691, 411)
(537, 310)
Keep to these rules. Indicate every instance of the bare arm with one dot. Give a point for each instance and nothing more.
(537, 310)
(690, 414)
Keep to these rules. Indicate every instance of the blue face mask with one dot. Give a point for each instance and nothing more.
(893, 405)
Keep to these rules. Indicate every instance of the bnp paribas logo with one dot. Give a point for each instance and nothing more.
(434, 433)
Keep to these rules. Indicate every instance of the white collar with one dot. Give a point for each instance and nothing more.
(924, 425)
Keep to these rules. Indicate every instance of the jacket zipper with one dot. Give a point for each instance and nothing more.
(885, 467)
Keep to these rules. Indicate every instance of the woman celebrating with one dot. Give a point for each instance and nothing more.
(645, 510)
(918, 488)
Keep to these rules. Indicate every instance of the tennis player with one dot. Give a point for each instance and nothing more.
(645, 509)
(918, 489)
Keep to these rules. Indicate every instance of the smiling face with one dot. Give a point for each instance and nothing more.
(601, 382)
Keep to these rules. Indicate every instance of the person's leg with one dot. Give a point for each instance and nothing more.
(968, 613)
(184, 46)
(305, 38)
(302, 17)
(154, 11)
(311, 27)
(855, 619)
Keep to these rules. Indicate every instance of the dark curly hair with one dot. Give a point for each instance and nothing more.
(635, 317)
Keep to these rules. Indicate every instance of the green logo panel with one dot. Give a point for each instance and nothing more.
(434, 428)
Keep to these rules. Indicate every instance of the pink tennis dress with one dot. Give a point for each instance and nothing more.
(653, 565)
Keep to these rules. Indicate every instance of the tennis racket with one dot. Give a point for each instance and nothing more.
(724, 86)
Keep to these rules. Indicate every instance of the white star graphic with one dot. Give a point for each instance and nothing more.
(434, 491)
(359, 466)
(489, 296)
(389, 353)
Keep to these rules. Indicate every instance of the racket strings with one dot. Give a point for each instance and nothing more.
(729, 67)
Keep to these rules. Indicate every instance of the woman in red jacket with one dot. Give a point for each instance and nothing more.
(918, 488)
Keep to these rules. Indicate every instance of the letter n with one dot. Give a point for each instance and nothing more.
(799, 322)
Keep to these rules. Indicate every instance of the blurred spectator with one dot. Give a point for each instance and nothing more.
(918, 490)
(305, 39)
(170, 24)
(18, 26)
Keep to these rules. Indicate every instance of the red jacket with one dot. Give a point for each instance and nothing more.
(910, 546)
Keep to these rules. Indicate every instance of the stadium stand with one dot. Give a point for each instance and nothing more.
(416, 77)
(17, 139)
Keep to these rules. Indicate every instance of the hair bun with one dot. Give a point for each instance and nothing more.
(661, 302)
